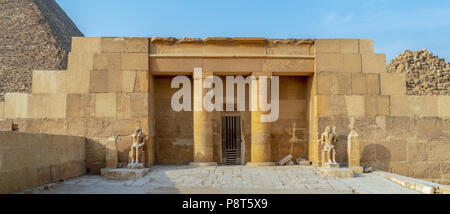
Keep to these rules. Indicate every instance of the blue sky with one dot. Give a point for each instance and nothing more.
(395, 25)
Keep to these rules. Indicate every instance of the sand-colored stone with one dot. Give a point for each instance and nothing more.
(76, 127)
(355, 106)
(383, 105)
(80, 105)
(373, 84)
(124, 174)
(334, 83)
(134, 61)
(46, 106)
(16, 105)
(80, 62)
(288, 47)
(111, 158)
(107, 61)
(285, 160)
(359, 84)
(202, 125)
(115, 81)
(417, 152)
(124, 106)
(99, 81)
(175, 65)
(136, 45)
(429, 106)
(260, 137)
(353, 149)
(141, 84)
(336, 62)
(402, 105)
(27, 167)
(113, 45)
(393, 83)
(444, 106)
(351, 63)
(128, 81)
(6, 125)
(105, 105)
(139, 105)
(336, 45)
(332, 105)
(2, 110)
(373, 63)
(377, 105)
(48, 81)
(285, 66)
(86, 44)
(366, 46)
(337, 172)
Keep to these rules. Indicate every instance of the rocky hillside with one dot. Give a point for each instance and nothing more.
(34, 35)
(426, 74)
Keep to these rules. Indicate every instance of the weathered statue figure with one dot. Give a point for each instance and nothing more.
(137, 150)
(328, 141)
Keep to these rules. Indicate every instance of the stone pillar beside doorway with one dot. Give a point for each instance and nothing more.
(261, 146)
(203, 125)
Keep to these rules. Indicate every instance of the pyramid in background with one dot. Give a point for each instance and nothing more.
(34, 35)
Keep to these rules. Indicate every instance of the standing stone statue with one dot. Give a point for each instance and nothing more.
(137, 153)
(328, 141)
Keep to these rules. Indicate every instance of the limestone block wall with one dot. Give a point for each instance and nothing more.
(174, 130)
(293, 106)
(408, 135)
(30, 160)
(104, 92)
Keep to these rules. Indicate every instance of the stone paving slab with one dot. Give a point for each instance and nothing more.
(422, 186)
(230, 179)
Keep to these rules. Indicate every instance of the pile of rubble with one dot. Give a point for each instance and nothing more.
(426, 74)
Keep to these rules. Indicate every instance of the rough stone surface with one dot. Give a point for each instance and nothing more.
(34, 35)
(124, 174)
(338, 172)
(426, 74)
(303, 162)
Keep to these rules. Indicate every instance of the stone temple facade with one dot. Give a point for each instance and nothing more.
(113, 85)
(35, 34)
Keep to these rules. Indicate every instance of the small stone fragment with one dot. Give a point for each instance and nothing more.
(285, 160)
(303, 162)
(368, 169)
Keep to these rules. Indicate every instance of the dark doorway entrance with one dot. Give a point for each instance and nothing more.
(231, 140)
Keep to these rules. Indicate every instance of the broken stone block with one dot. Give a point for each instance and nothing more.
(303, 162)
(353, 149)
(285, 160)
(112, 157)
(290, 163)
(124, 174)
(368, 169)
(135, 166)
